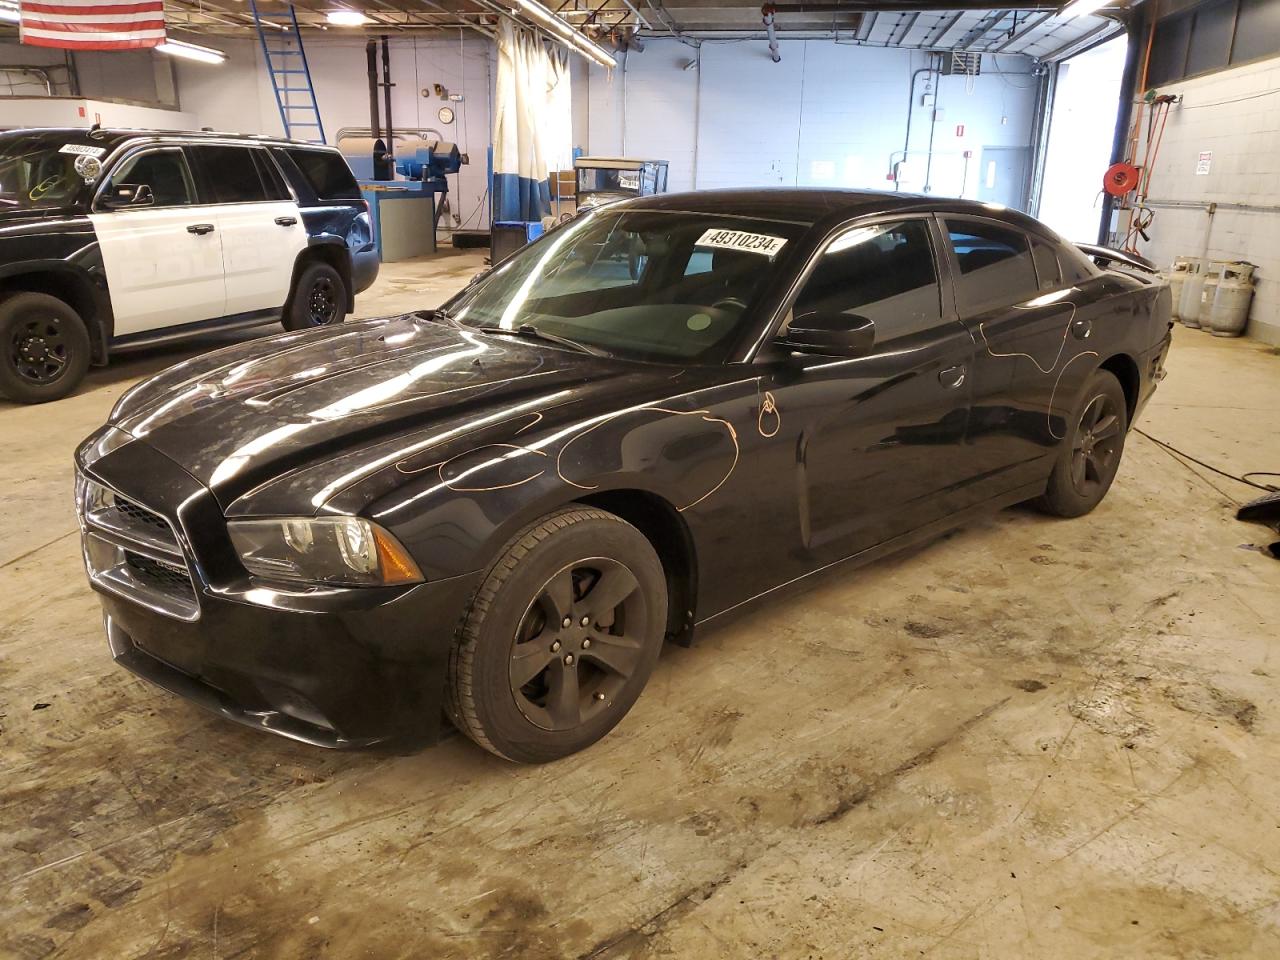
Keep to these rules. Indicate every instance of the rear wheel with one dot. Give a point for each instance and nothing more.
(319, 299)
(1090, 456)
(44, 348)
(560, 638)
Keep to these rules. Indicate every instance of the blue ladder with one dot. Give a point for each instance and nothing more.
(290, 74)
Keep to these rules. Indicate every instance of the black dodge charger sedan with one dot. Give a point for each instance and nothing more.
(499, 510)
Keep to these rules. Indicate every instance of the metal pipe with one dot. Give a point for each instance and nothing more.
(371, 55)
(906, 139)
(766, 13)
(386, 95)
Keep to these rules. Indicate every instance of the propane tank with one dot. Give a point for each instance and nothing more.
(1192, 291)
(1176, 277)
(1230, 313)
(1211, 278)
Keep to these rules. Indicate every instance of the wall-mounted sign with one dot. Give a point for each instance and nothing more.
(1204, 162)
(959, 129)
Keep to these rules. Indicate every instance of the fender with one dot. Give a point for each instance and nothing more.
(82, 283)
(330, 249)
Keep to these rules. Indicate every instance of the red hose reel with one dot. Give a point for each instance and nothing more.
(1120, 178)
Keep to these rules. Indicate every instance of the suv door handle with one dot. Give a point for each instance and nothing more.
(952, 377)
(200, 229)
(286, 221)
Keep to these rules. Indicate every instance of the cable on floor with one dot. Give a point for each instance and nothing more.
(1208, 466)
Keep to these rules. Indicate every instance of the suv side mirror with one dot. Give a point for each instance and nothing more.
(128, 195)
(830, 334)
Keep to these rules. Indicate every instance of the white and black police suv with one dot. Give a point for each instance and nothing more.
(118, 238)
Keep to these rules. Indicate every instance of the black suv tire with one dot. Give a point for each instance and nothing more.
(44, 348)
(319, 299)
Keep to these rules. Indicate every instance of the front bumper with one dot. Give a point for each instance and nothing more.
(334, 679)
(331, 666)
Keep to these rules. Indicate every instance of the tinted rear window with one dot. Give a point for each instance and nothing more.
(328, 174)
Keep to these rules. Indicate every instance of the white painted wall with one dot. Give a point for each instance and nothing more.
(135, 75)
(81, 112)
(829, 114)
(1236, 115)
(237, 96)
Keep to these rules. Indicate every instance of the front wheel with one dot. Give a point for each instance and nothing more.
(560, 638)
(44, 348)
(1090, 455)
(319, 299)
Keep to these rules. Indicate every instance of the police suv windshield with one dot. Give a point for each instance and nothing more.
(39, 171)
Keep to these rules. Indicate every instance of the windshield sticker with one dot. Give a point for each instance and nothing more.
(737, 240)
(82, 150)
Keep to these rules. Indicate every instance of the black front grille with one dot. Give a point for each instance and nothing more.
(141, 516)
(157, 573)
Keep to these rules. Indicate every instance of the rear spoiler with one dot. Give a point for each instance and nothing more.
(1106, 256)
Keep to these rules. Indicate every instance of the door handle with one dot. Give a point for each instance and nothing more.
(200, 229)
(952, 377)
(1080, 329)
(286, 221)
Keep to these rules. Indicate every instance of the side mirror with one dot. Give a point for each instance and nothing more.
(128, 195)
(829, 334)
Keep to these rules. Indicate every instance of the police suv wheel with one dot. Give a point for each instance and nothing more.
(319, 299)
(44, 348)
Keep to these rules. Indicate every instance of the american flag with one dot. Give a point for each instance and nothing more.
(93, 24)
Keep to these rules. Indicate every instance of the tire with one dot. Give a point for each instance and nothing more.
(44, 348)
(521, 683)
(1090, 455)
(319, 299)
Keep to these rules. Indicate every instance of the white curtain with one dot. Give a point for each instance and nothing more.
(532, 123)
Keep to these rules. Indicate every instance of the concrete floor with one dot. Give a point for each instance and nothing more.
(1032, 739)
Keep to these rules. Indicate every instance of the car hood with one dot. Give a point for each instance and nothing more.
(238, 418)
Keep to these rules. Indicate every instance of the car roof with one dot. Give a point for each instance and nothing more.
(811, 205)
(112, 137)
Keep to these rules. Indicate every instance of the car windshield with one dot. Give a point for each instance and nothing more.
(653, 285)
(34, 173)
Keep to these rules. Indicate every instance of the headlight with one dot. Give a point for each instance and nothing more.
(339, 550)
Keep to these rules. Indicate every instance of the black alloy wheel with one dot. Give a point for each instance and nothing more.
(1095, 447)
(322, 302)
(1089, 457)
(319, 299)
(560, 637)
(38, 349)
(44, 347)
(572, 654)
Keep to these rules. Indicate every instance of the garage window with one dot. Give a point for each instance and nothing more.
(885, 273)
(1212, 36)
(995, 263)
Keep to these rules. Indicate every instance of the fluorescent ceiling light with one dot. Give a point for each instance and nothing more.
(567, 33)
(347, 18)
(1082, 8)
(9, 12)
(192, 51)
